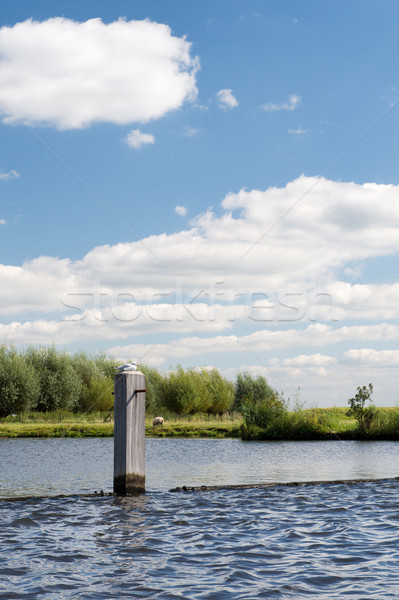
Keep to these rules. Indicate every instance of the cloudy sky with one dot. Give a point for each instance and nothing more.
(207, 183)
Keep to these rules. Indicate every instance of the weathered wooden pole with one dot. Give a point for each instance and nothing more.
(129, 433)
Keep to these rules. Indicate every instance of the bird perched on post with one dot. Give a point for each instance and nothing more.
(132, 366)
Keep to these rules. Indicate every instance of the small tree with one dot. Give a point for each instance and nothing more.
(98, 394)
(60, 384)
(255, 390)
(153, 382)
(19, 383)
(357, 403)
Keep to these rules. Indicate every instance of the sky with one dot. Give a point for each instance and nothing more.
(213, 184)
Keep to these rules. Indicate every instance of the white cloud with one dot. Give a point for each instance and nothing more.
(370, 356)
(10, 175)
(69, 74)
(190, 131)
(226, 99)
(278, 256)
(136, 139)
(299, 131)
(3, 221)
(122, 322)
(181, 210)
(292, 104)
(258, 280)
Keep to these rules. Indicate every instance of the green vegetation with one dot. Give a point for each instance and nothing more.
(271, 419)
(46, 380)
(314, 423)
(194, 391)
(96, 424)
(44, 392)
(364, 416)
(252, 391)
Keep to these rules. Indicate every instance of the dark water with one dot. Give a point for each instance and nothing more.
(328, 541)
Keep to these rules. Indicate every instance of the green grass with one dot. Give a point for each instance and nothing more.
(314, 423)
(322, 423)
(200, 425)
(66, 424)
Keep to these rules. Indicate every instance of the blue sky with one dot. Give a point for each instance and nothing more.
(208, 183)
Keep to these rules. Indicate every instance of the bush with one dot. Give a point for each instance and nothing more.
(154, 383)
(265, 413)
(179, 392)
(364, 416)
(250, 389)
(60, 384)
(193, 390)
(98, 394)
(220, 391)
(19, 383)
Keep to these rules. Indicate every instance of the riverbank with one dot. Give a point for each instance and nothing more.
(64, 424)
(308, 424)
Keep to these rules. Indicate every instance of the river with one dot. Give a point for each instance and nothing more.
(324, 540)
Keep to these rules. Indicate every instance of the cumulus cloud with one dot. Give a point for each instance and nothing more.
(266, 265)
(181, 210)
(68, 74)
(10, 175)
(292, 104)
(226, 99)
(136, 139)
(278, 261)
(3, 221)
(370, 356)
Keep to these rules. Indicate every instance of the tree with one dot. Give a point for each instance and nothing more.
(19, 383)
(98, 394)
(357, 403)
(154, 383)
(60, 384)
(250, 389)
(179, 392)
(219, 390)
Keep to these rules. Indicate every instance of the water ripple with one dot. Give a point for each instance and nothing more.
(326, 541)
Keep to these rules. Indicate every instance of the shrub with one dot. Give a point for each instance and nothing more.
(250, 389)
(60, 384)
(263, 413)
(19, 383)
(154, 383)
(179, 391)
(98, 394)
(363, 416)
(220, 391)
(196, 390)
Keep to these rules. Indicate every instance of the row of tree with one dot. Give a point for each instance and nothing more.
(44, 379)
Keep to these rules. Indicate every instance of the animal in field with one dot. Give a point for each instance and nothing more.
(158, 421)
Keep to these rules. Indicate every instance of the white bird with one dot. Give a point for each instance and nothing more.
(132, 366)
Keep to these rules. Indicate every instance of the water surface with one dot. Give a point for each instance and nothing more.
(324, 541)
(69, 465)
(329, 541)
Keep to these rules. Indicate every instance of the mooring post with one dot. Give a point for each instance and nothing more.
(129, 433)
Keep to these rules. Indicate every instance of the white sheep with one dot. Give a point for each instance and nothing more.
(157, 421)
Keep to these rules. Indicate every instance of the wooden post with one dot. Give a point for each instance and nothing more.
(129, 433)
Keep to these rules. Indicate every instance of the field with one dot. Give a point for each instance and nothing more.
(315, 423)
(97, 424)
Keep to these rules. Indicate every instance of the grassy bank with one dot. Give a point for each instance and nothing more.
(66, 424)
(309, 424)
(321, 424)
